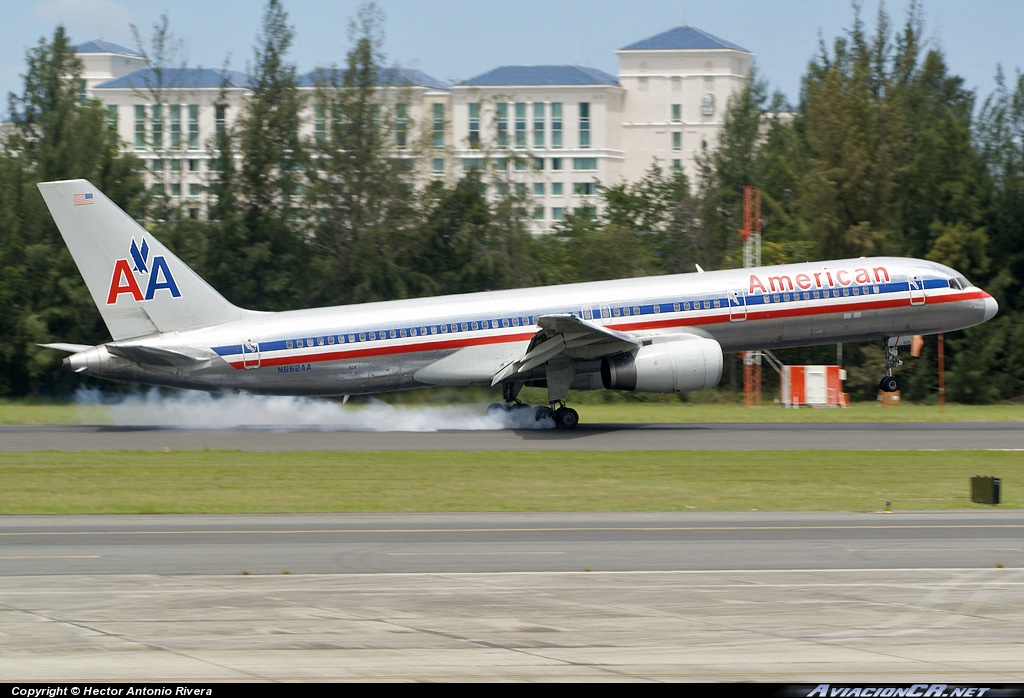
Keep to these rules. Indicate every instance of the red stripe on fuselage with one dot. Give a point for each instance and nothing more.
(720, 318)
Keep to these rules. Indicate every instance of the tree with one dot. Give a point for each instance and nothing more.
(360, 197)
(269, 253)
(57, 135)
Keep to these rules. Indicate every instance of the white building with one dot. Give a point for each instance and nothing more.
(553, 132)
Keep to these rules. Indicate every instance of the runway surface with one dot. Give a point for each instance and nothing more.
(597, 437)
(446, 543)
(728, 597)
(788, 598)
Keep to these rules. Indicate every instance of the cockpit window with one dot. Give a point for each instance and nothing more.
(959, 283)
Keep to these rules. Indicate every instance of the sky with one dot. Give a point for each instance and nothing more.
(453, 40)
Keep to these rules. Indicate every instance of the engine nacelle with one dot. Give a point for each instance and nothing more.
(672, 367)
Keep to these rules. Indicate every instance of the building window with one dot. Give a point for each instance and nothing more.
(319, 123)
(140, 127)
(438, 167)
(538, 188)
(221, 118)
(557, 214)
(677, 140)
(472, 164)
(538, 125)
(193, 165)
(175, 189)
(556, 163)
(502, 124)
(474, 125)
(520, 124)
(175, 127)
(677, 113)
(112, 116)
(556, 125)
(194, 189)
(175, 165)
(157, 127)
(584, 188)
(401, 126)
(158, 165)
(556, 189)
(538, 213)
(538, 164)
(193, 127)
(677, 165)
(584, 124)
(584, 164)
(438, 129)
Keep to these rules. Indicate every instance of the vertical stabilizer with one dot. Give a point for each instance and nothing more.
(139, 286)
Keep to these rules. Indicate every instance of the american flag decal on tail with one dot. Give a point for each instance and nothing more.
(83, 199)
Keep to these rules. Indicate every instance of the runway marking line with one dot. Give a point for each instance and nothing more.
(929, 550)
(467, 554)
(515, 530)
(50, 557)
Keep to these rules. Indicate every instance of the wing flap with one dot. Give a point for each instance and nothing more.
(569, 336)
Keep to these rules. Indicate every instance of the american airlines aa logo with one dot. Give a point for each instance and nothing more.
(130, 276)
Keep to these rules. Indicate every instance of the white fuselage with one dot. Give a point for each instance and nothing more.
(467, 339)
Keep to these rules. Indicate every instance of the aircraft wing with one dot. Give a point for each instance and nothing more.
(569, 336)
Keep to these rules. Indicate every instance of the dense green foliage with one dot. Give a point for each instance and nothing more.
(887, 153)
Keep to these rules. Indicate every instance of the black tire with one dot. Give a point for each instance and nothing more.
(889, 384)
(566, 418)
(542, 412)
(496, 408)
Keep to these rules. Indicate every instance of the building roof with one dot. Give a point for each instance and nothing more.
(683, 38)
(100, 46)
(542, 75)
(193, 78)
(386, 77)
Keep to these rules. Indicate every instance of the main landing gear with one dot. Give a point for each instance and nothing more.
(889, 382)
(563, 417)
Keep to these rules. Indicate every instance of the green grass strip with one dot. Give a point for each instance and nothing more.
(235, 482)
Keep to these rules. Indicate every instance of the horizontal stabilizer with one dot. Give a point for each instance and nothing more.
(156, 356)
(69, 348)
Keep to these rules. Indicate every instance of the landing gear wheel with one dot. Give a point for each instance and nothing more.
(543, 413)
(566, 418)
(889, 384)
(496, 408)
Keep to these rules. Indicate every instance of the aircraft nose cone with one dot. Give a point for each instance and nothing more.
(991, 308)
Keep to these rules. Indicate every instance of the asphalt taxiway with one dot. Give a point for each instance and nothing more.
(597, 437)
(790, 598)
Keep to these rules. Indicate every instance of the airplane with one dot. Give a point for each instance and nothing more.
(664, 334)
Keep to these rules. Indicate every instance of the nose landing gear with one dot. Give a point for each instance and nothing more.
(889, 382)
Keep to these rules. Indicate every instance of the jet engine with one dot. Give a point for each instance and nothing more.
(680, 366)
